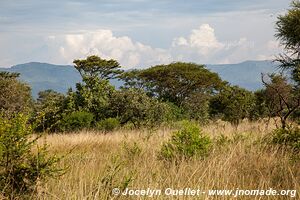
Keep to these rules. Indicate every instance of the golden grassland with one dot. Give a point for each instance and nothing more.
(97, 163)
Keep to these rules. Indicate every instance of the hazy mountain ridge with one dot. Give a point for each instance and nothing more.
(246, 74)
(42, 76)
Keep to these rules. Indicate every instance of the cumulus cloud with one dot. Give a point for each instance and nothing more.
(106, 45)
(201, 46)
(203, 39)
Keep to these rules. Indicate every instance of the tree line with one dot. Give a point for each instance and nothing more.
(148, 97)
(161, 93)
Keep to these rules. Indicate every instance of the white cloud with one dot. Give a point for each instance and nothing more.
(106, 45)
(200, 46)
(203, 40)
(272, 44)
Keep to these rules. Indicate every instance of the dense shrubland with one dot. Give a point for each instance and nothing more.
(168, 96)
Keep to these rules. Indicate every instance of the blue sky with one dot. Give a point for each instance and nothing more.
(138, 33)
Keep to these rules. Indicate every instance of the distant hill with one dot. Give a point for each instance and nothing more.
(246, 74)
(42, 76)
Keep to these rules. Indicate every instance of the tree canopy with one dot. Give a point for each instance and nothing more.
(288, 28)
(175, 82)
(15, 96)
(94, 66)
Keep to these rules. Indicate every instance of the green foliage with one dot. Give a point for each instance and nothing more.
(133, 80)
(21, 167)
(281, 99)
(134, 106)
(288, 28)
(175, 113)
(174, 82)
(109, 124)
(15, 96)
(187, 143)
(288, 33)
(288, 137)
(260, 109)
(177, 81)
(94, 96)
(233, 104)
(77, 121)
(184, 87)
(197, 107)
(94, 66)
(131, 151)
(48, 111)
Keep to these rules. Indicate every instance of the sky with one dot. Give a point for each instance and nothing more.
(139, 33)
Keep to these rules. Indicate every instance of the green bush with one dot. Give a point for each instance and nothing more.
(77, 121)
(288, 137)
(21, 167)
(108, 124)
(187, 143)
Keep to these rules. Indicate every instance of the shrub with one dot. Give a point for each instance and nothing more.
(187, 143)
(108, 124)
(77, 121)
(21, 168)
(15, 96)
(288, 137)
(134, 106)
(48, 111)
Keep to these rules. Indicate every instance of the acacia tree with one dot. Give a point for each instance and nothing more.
(288, 33)
(175, 82)
(280, 98)
(94, 66)
(284, 99)
(94, 93)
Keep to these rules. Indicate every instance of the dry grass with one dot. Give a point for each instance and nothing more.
(97, 163)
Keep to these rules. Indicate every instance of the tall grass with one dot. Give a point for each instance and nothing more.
(98, 163)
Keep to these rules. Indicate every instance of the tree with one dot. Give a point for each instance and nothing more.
(197, 106)
(233, 104)
(261, 109)
(94, 96)
(286, 97)
(288, 33)
(288, 29)
(15, 96)
(95, 66)
(281, 100)
(49, 110)
(132, 79)
(94, 93)
(175, 82)
(134, 106)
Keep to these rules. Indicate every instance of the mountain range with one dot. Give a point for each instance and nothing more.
(43, 76)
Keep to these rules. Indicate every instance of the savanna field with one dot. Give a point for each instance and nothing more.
(239, 158)
(162, 125)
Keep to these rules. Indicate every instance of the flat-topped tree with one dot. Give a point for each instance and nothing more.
(176, 82)
(94, 66)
